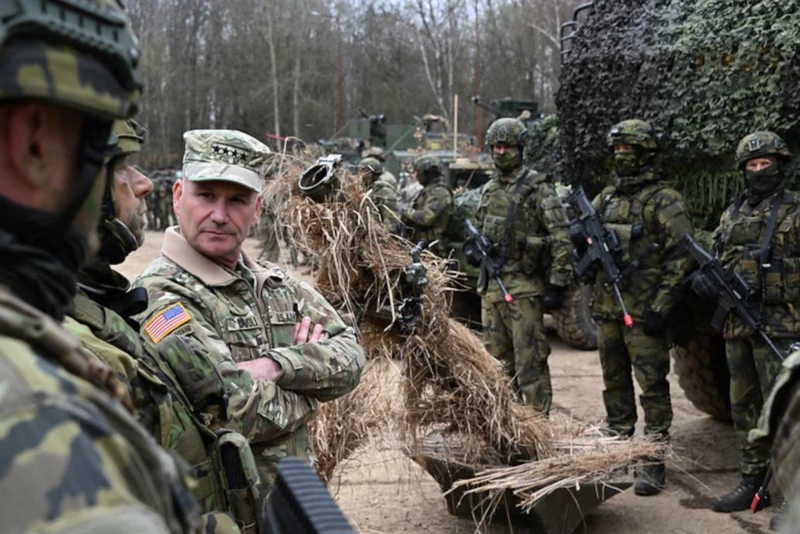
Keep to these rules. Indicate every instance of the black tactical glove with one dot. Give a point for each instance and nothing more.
(703, 286)
(471, 252)
(553, 297)
(655, 324)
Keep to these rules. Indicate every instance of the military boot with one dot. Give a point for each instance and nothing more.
(650, 478)
(742, 496)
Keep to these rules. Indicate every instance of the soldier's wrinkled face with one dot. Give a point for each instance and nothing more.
(130, 190)
(758, 164)
(215, 217)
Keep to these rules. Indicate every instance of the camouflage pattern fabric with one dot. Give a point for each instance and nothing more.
(754, 368)
(388, 178)
(386, 200)
(270, 243)
(649, 221)
(165, 205)
(538, 249)
(514, 334)
(161, 405)
(739, 237)
(428, 214)
(76, 460)
(211, 318)
(227, 155)
(779, 426)
(623, 349)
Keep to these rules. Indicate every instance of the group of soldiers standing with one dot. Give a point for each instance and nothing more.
(160, 212)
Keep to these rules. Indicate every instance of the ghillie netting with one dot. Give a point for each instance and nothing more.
(450, 384)
(703, 72)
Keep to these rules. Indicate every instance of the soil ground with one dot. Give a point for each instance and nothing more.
(382, 491)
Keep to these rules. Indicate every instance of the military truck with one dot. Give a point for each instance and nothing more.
(704, 73)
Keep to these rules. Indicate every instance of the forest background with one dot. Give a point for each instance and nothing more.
(304, 68)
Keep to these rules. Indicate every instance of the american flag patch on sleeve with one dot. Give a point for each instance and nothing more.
(167, 321)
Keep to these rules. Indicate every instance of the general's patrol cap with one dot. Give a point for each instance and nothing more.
(226, 155)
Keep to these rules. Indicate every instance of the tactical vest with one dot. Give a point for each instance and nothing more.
(50, 342)
(638, 237)
(437, 231)
(775, 283)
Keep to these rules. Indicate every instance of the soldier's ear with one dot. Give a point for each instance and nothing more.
(257, 214)
(177, 193)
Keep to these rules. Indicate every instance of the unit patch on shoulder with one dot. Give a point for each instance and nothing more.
(166, 321)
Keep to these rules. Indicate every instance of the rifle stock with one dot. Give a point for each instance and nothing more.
(301, 504)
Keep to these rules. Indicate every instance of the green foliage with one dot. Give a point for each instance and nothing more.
(703, 72)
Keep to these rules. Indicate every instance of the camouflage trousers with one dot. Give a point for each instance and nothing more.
(514, 334)
(623, 349)
(267, 455)
(753, 368)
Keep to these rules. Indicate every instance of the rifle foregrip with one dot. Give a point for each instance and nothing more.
(300, 503)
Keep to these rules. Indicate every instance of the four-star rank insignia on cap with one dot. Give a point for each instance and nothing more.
(166, 321)
(233, 155)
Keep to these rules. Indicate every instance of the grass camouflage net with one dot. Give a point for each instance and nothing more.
(703, 72)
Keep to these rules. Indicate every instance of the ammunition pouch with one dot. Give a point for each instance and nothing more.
(534, 256)
(243, 489)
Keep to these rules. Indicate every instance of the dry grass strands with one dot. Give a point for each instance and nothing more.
(451, 380)
(581, 459)
(347, 423)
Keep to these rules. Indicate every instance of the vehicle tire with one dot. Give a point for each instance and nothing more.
(574, 322)
(703, 374)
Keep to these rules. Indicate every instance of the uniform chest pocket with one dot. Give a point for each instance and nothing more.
(281, 323)
(745, 232)
(245, 337)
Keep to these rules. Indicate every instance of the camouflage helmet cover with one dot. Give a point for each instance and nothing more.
(127, 137)
(371, 164)
(80, 54)
(633, 132)
(428, 164)
(375, 152)
(760, 145)
(509, 132)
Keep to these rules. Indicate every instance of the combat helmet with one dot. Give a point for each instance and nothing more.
(117, 240)
(375, 152)
(79, 54)
(634, 132)
(428, 164)
(511, 132)
(371, 164)
(761, 145)
(320, 181)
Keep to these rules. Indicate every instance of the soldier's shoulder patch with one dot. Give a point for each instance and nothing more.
(167, 321)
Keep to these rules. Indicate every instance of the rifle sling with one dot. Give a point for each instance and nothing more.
(512, 208)
(764, 255)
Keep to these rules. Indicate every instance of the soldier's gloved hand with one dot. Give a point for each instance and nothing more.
(471, 253)
(553, 297)
(703, 286)
(655, 324)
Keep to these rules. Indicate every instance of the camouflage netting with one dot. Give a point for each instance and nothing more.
(704, 72)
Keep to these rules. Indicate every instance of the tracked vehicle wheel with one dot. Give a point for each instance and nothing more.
(574, 322)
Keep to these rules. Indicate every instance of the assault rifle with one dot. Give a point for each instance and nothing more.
(597, 244)
(301, 504)
(733, 293)
(483, 248)
(409, 311)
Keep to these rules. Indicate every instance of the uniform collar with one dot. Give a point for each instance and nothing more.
(211, 273)
(512, 178)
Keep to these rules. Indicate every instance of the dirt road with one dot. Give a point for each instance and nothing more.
(383, 492)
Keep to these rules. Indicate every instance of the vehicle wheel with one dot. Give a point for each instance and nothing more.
(703, 374)
(574, 322)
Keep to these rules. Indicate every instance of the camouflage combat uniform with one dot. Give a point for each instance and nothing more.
(240, 316)
(531, 248)
(775, 283)
(165, 207)
(384, 196)
(429, 211)
(270, 244)
(72, 459)
(649, 219)
(205, 318)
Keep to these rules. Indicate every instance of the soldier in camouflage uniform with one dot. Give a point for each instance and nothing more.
(165, 208)
(384, 196)
(650, 219)
(759, 239)
(72, 458)
(101, 318)
(385, 176)
(428, 213)
(521, 214)
(254, 349)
